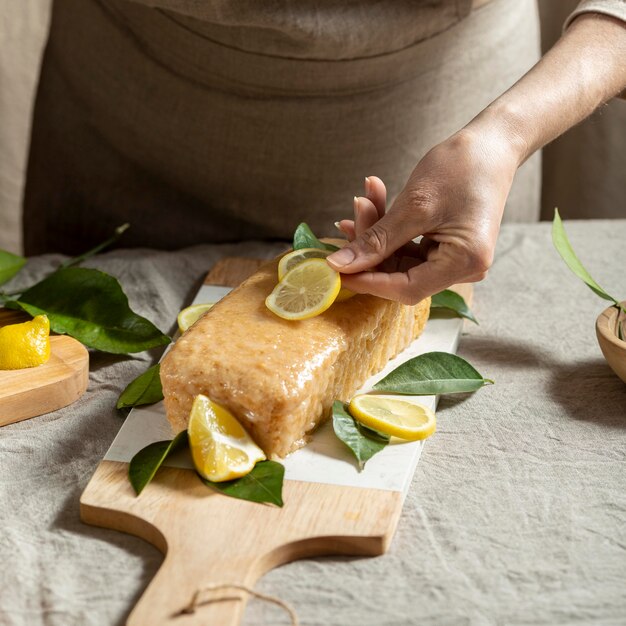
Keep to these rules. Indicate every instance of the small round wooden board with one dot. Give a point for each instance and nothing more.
(38, 390)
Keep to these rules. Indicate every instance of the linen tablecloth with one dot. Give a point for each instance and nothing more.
(516, 514)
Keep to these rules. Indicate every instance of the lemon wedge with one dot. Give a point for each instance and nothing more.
(26, 344)
(189, 316)
(305, 291)
(221, 448)
(396, 418)
(293, 258)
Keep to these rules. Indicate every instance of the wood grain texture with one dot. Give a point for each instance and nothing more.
(613, 348)
(35, 391)
(209, 538)
(232, 271)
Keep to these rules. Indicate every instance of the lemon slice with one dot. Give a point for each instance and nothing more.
(344, 294)
(220, 446)
(26, 344)
(396, 418)
(305, 291)
(293, 258)
(189, 316)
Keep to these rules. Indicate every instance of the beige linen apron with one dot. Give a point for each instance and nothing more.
(210, 122)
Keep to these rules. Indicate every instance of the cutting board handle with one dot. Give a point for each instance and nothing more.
(210, 539)
(185, 572)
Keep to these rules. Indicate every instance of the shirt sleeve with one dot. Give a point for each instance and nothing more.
(614, 8)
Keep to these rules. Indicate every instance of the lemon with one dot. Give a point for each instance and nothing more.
(26, 344)
(344, 294)
(396, 418)
(220, 446)
(293, 258)
(290, 260)
(305, 291)
(189, 316)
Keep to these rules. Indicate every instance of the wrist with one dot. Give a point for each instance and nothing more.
(501, 127)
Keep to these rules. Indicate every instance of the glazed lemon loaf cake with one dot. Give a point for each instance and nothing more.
(278, 377)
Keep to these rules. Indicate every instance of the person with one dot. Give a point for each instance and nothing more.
(220, 121)
(456, 194)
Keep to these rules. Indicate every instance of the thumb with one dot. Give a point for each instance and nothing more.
(372, 246)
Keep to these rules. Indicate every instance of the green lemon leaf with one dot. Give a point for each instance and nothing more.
(564, 248)
(10, 265)
(145, 389)
(451, 300)
(304, 238)
(144, 465)
(90, 306)
(432, 374)
(362, 442)
(263, 484)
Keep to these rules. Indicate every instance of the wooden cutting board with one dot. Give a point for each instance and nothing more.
(209, 538)
(37, 390)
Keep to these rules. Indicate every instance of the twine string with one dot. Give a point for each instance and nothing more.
(197, 602)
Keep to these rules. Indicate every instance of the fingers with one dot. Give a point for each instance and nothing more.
(410, 287)
(376, 198)
(376, 192)
(423, 272)
(347, 228)
(365, 215)
(375, 244)
(375, 240)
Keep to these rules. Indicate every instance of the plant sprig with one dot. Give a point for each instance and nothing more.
(119, 231)
(566, 251)
(90, 306)
(84, 303)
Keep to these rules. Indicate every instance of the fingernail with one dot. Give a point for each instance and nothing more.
(368, 184)
(338, 226)
(342, 257)
(355, 201)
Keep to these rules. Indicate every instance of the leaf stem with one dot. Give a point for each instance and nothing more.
(618, 321)
(119, 231)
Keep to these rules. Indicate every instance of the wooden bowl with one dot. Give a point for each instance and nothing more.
(614, 349)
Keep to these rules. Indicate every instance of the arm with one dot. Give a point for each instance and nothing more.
(455, 196)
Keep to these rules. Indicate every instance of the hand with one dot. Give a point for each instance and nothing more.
(454, 198)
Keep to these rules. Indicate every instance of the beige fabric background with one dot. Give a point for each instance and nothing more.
(144, 118)
(23, 29)
(516, 515)
(583, 170)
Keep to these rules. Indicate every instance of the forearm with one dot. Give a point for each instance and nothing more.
(584, 69)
